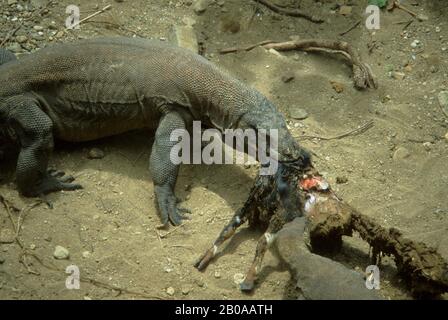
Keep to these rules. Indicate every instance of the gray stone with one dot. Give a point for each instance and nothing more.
(200, 6)
(61, 253)
(401, 153)
(298, 113)
(318, 277)
(21, 39)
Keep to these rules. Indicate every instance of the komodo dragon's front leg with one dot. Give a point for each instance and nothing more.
(164, 171)
(34, 130)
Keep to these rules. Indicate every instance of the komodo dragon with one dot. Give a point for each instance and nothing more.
(101, 87)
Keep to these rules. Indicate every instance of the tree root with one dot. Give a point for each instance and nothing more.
(362, 73)
(290, 12)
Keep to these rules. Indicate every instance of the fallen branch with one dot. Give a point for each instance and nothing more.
(362, 74)
(89, 17)
(357, 131)
(290, 12)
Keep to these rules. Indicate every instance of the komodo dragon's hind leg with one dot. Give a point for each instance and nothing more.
(164, 170)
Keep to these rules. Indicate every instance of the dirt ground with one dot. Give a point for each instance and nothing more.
(396, 172)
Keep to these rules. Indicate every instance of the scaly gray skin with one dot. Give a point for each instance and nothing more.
(100, 87)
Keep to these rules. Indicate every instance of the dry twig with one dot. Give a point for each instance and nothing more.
(89, 17)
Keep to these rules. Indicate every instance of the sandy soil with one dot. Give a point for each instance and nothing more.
(109, 227)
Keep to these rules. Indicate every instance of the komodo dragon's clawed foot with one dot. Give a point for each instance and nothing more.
(168, 208)
(55, 181)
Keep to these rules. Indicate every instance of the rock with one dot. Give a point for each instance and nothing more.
(11, 2)
(446, 136)
(217, 274)
(185, 37)
(7, 236)
(38, 28)
(59, 34)
(401, 153)
(170, 291)
(186, 290)
(61, 253)
(427, 146)
(288, 77)
(21, 39)
(345, 10)
(415, 44)
(341, 180)
(200, 283)
(337, 86)
(200, 6)
(398, 75)
(238, 278)
(443, 101)
(86, 254)
(298, 113)
(95, 153)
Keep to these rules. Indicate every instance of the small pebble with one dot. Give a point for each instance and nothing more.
(217, 274)
(95, 153)
(61, 253)
(288, 77)
(401, 153)
(238, 278)
(298, 113)
(170, 291)
(21, 39)
(186, 290)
